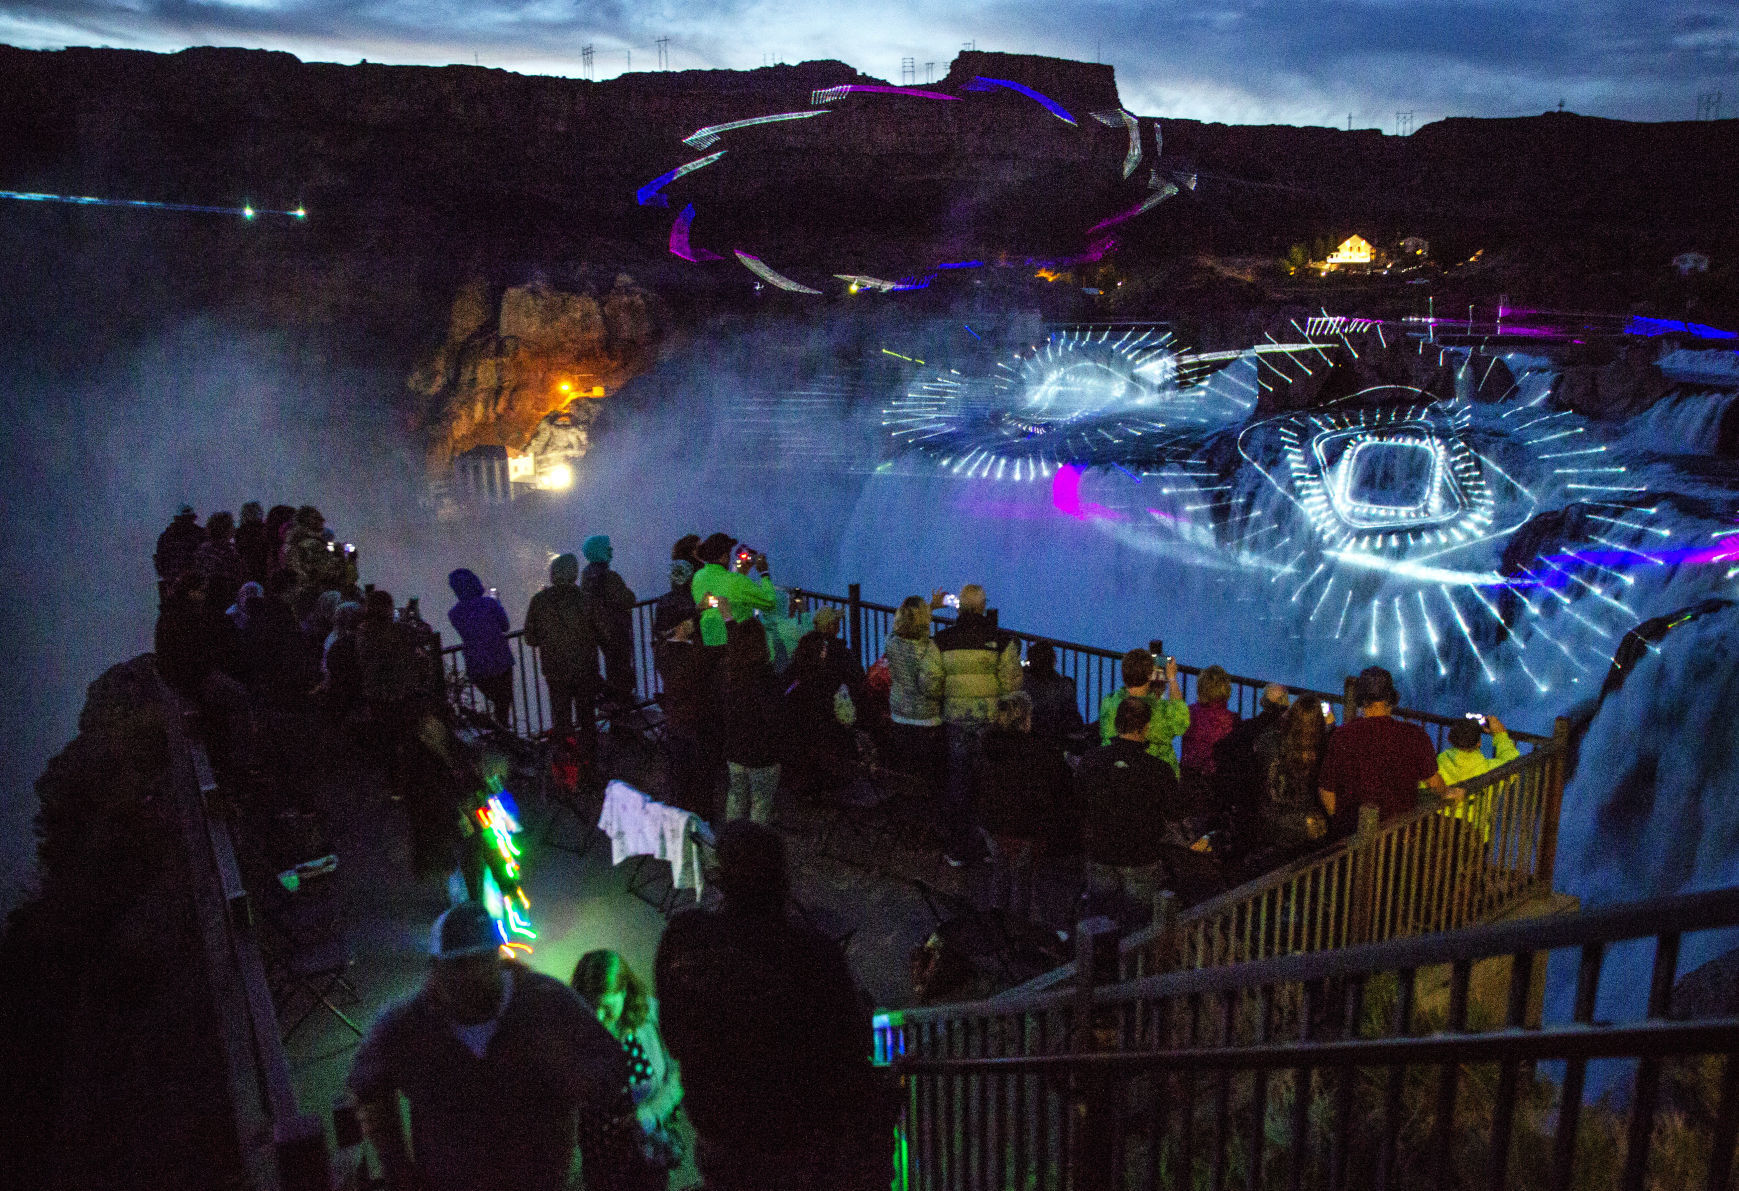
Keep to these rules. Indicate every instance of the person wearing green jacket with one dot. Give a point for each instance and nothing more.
(1465, 759)
(1171, 715)
(737, 596)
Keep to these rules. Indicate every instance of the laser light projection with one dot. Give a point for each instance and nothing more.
(1159, 186)
(247, 211)
(1500, 540)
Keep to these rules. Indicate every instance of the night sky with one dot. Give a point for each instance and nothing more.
(1286, 61)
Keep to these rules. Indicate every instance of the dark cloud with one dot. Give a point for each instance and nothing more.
(1237, 60)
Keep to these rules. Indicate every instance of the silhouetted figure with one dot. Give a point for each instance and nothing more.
(772, 1035)
(176, 547)
(612, 604)
(559, 623)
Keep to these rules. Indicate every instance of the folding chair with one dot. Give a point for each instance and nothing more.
(309, 962)
(981, 934)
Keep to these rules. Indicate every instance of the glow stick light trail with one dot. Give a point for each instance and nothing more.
(507, 903)
(79, 200)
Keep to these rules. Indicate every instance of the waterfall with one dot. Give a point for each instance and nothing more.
(1685, 422)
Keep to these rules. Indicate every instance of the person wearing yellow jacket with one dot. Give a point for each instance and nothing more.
(1465, 759)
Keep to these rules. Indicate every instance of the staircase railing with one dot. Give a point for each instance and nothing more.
(1362, 1066)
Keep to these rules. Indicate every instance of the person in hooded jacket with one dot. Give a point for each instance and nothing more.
(560, 625)
(612, 605)
(482, 625)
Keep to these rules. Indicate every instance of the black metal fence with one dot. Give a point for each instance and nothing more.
(1097, 672)
(1409, 1063)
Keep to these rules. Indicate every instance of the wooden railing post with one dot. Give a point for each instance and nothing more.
(1554, 801)
(854, 600)
(1093, 1104)
(1163, 954)
(1362, 912)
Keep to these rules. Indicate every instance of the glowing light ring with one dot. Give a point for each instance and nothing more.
(980, 83)
(702, 138)
(766, 272)
(680, 245)
(79, 200)
(833, 94)
(650, 195)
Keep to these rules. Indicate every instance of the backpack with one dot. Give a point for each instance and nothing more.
(879, 680)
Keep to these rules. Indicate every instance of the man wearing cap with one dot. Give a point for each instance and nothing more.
(717, 576)
(496, 1062)
(612, 606)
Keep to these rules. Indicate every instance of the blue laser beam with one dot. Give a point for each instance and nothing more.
(81, 200)
(980, 83)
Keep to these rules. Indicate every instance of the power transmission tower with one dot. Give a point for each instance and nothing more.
(1709, 105)
(908, 71)
(1403, 123)
(630, 65)
(663, 44)
(929, 73)
(586, 59)
(1349, 121)
(969, 45)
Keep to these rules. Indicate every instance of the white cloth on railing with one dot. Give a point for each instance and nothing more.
(638, 826)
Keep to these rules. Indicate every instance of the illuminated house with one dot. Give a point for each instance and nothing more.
(1354, 252)
(1413, 246)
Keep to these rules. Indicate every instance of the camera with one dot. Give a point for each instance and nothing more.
(712, 601)
(1327, 709)
(1474, 715)
(951, 600)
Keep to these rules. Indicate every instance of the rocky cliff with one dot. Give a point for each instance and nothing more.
(518, 194)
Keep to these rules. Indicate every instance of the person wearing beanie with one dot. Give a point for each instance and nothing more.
(612, 606)
(483, 1037)
(560, 625)
(726, 577)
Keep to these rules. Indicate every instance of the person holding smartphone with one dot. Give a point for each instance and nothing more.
(1171, 716)
(1465, 759)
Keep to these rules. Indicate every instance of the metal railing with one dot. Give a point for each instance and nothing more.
(1097, 672)
(1364, 1066)
(282, 1147)
(530, 712)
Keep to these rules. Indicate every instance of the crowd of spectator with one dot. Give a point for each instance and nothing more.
(754, 1027)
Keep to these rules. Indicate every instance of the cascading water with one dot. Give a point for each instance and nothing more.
(1491, 550)
(1690, 420)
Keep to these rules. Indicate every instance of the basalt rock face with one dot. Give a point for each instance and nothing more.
(513, 357)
